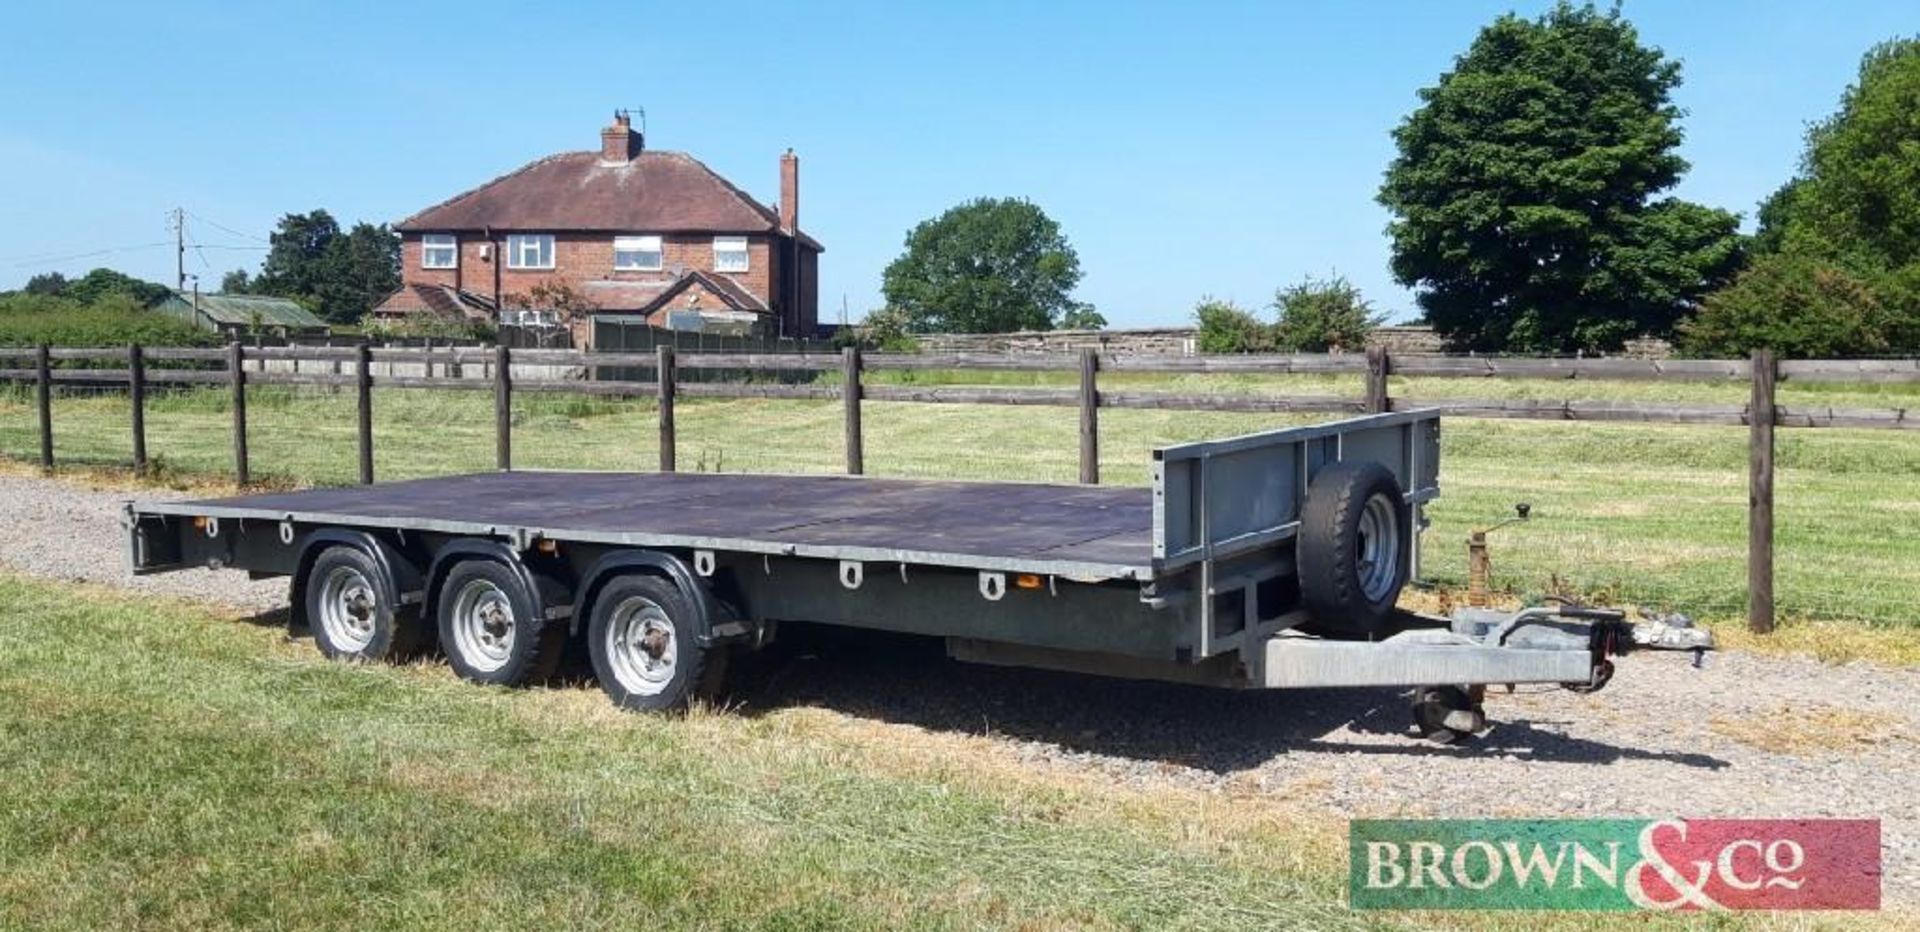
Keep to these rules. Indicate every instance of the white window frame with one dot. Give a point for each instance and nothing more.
(743, 252)
(517, 244)
(431, 242)
(640, 245)
(530, 318)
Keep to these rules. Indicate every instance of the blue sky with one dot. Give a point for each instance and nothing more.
(1190, 149)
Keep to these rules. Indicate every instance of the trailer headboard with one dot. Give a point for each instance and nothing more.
(1217, 498)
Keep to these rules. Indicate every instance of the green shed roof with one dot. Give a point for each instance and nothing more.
(243, 310)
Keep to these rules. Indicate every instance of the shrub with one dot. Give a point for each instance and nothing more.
(428, 325)
(1083, 317)
(113, 320)
(884, 330)
(1797, 306)
(1225, 327)
(1318, 315)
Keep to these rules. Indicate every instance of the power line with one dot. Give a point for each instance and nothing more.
(46, 259)
(226, 229)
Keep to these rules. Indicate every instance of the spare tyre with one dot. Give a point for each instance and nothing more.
(1353, 549)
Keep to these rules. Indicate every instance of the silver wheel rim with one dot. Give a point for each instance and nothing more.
(349, 607)
(483, 625)
(1377, 548)
(641, 648)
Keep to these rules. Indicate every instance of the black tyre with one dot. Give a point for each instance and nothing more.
(351, 613)
(646, 651)
(1353, 549)
(491, 628)
(1446, 714)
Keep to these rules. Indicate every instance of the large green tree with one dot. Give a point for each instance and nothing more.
(362, 266)
(991, 265)
(1837, 267)
(47, 283)
(296, 262)
(99, 284)
(1526, 192)
(340, 275)
(1858, 191)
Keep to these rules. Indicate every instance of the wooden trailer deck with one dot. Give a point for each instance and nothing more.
(1070, 530)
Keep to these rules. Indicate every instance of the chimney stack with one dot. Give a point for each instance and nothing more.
(619, 142)
(789, 192)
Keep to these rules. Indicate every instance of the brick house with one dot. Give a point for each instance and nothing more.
(632, 231)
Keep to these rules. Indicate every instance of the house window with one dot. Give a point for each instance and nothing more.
(638, 254)
(729, 253)
(530, 318)
(530, 251)
(439, 251)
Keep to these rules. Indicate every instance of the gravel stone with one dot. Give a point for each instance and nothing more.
(1664, 739)
(62, 530)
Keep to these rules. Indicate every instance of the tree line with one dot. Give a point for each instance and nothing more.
(1530, 206)
(338, 275)
(1531, 213)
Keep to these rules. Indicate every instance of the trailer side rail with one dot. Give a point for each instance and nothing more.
(523, 536)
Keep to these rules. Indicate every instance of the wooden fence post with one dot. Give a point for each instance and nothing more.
(1089, 416)
(43, 373)
(1760, 416)
(663, 372)
(850, 395)
(1376, 379)
(363, 396)
(237, 378)
(503, 407)
(137, 399)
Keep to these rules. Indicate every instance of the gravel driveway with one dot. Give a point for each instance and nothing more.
(1748, 736)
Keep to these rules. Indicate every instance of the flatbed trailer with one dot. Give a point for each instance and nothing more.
(1268, 560)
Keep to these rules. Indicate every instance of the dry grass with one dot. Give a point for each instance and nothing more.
(1811, 728)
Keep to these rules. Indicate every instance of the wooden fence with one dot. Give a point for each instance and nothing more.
(496, 366)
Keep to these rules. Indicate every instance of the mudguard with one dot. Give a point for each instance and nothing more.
(548, 596)
(399, 580)
(706, 609)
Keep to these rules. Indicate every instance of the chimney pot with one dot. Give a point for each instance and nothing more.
(789, 193)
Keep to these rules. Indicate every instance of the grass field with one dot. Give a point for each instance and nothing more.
(1654, 514)
(168, 768)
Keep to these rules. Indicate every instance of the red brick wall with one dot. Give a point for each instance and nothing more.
(582, 257)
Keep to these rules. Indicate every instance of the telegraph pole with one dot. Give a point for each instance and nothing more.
(179, 249)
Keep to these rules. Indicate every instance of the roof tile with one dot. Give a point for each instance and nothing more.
(657, 191)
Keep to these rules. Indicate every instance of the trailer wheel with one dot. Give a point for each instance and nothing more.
(645, 650)
(1352, 548)
(351, 612)
(1447, 714)
(491, 629)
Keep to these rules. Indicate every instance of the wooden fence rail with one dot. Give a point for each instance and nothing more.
(481, 368)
